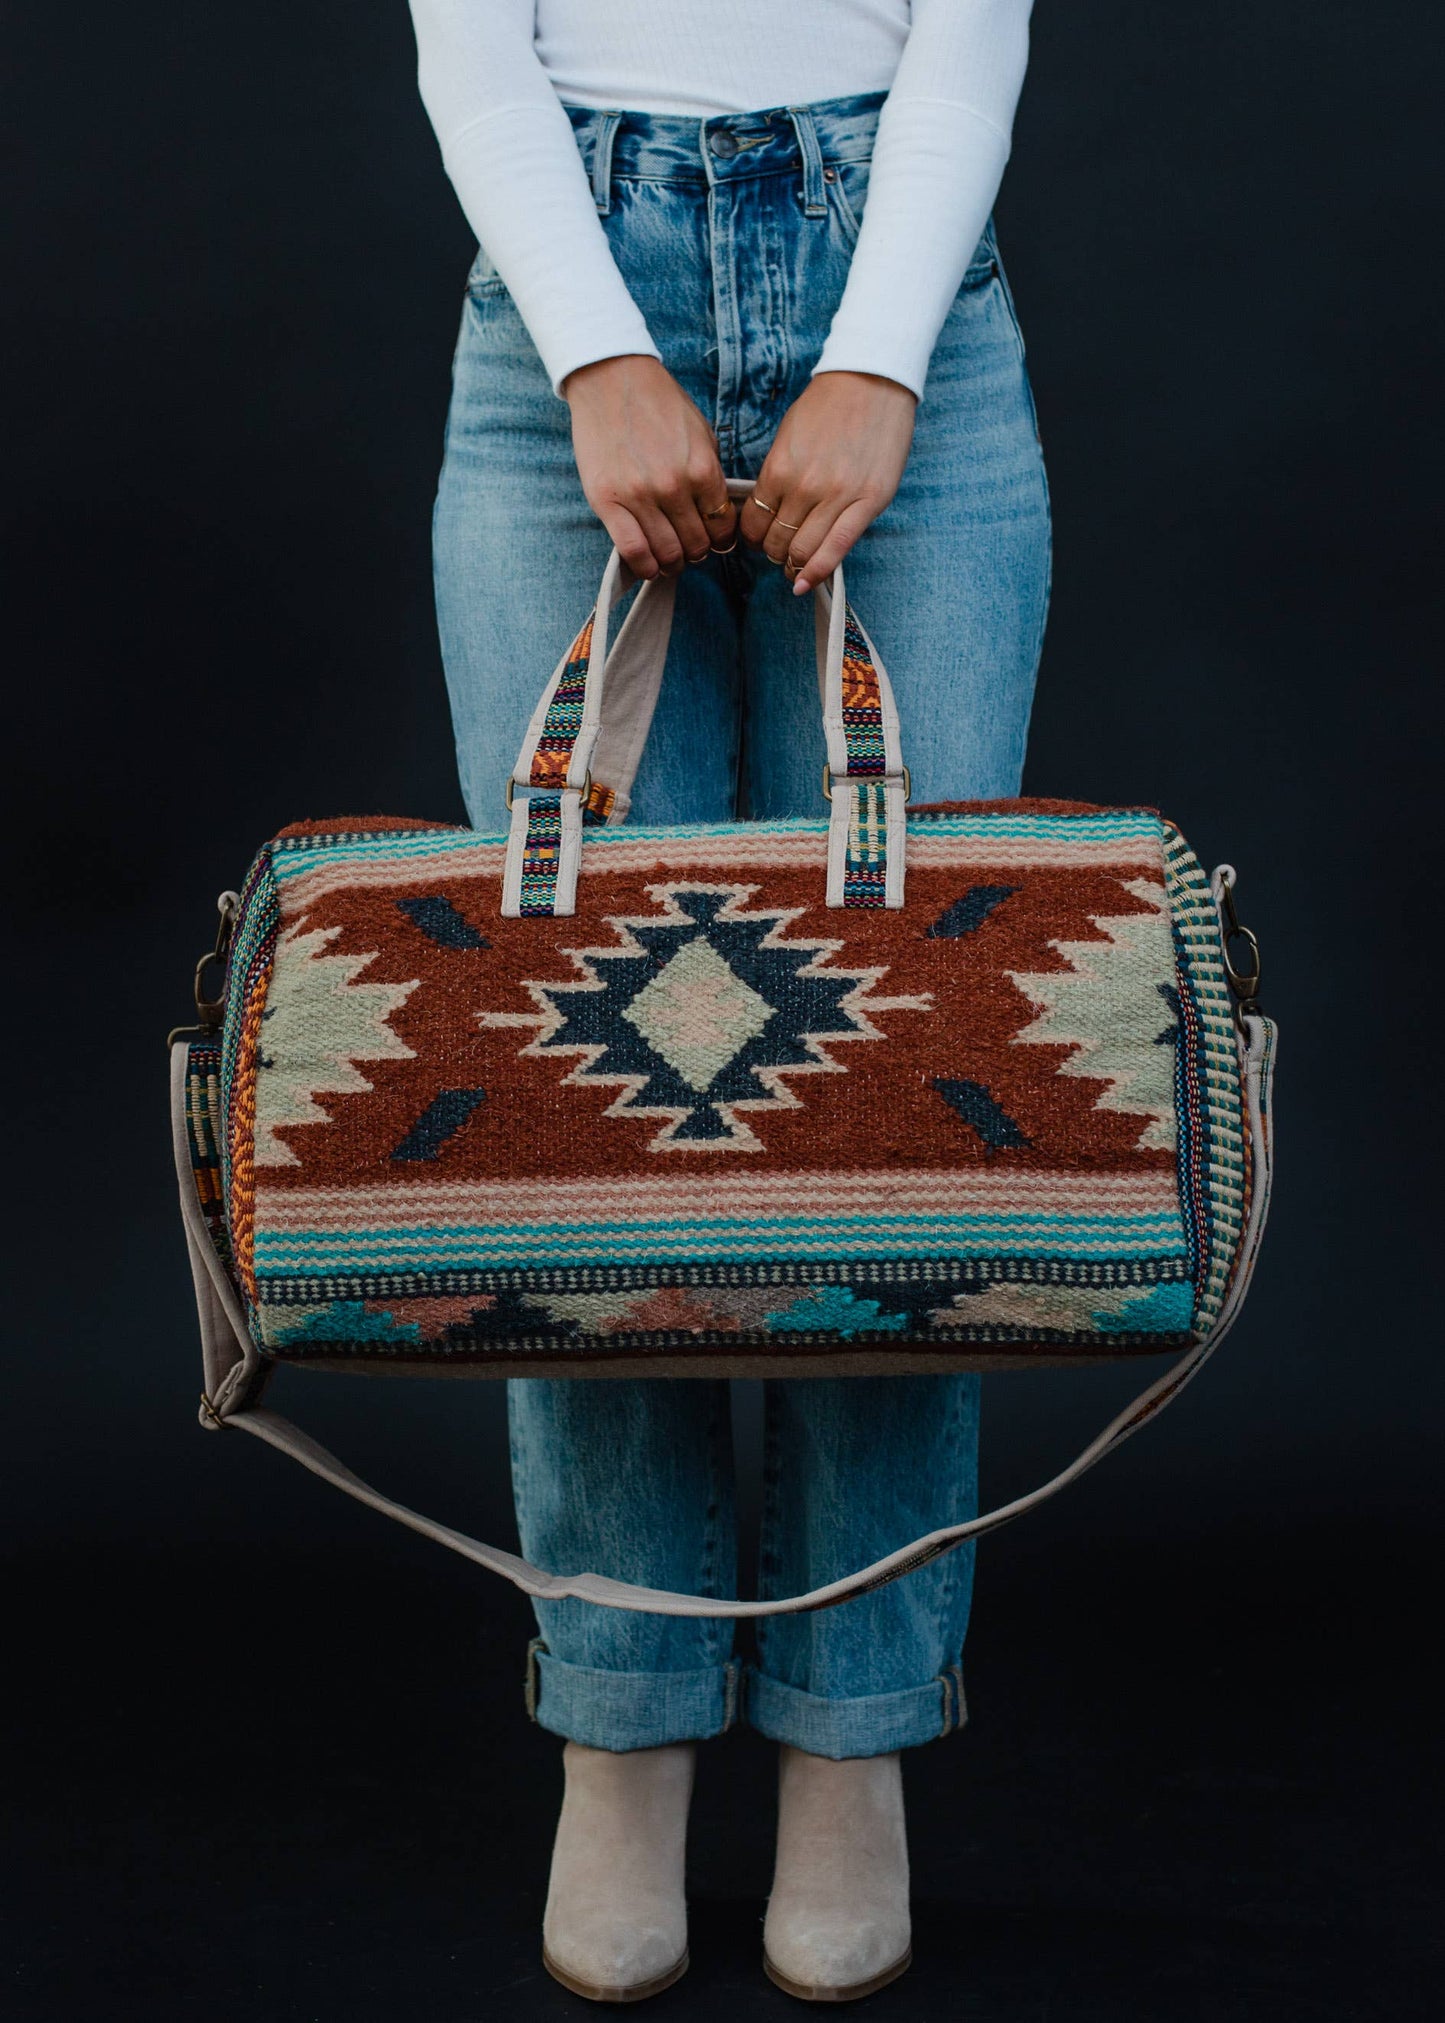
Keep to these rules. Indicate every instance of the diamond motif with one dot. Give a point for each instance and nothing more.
(697, 1013)
(701, 1012)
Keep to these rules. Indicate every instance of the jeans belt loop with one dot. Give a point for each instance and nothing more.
(815, 200)
(607, 125)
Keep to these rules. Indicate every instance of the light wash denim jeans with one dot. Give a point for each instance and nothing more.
(734, 235)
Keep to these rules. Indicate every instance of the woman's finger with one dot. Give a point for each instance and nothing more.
(711, 500)
(628, 538)
(811, 532)
(688, 525)
(662, 537)
(760, 509)
(796, 513)
(719, 514)
(855, 519)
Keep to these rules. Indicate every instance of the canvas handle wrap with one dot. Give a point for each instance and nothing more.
(582, 748)
(235, 1375)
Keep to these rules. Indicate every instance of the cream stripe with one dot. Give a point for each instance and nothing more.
(299, 889)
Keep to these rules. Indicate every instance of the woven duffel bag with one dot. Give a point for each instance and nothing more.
(957, 1087)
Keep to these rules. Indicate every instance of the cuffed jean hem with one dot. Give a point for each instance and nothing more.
(875, 1724)
(629, 1710)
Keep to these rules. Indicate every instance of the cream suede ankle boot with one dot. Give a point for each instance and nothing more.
(615, 1927)
(837, 1924)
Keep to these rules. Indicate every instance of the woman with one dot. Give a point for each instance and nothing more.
(735, 240)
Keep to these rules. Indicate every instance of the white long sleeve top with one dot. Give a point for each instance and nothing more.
(494, 75)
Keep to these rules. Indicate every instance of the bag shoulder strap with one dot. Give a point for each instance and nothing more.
(235, 1376)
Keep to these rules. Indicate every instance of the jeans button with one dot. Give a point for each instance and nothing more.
(723, 143)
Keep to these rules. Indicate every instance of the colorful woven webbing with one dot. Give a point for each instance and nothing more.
(865, 868)
(599, 803)
(553, 755)
(205, 1132)
(865, 874)
(544, 847)
(862, 703)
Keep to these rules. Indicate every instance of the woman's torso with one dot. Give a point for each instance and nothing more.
(703, 57)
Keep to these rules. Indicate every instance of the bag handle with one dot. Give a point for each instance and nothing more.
(581, 752)
(235, 1377)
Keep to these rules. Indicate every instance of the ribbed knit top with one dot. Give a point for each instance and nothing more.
(495, 75)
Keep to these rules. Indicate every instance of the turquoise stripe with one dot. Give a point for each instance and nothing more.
(294, 863)
(727, 1225)
(479, 1249)
(292, 860)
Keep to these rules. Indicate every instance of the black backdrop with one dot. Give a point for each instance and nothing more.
(271, 1759)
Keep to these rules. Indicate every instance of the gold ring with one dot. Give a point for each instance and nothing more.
(754, 500)
(716, 512)
(791, 525)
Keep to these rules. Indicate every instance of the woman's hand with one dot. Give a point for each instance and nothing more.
(834, 464)
(648, 463)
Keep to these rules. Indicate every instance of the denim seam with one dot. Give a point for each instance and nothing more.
(949, 1569)
(848, 218)
(742, 742)
(769, 1517)
(712, 1529)
(1007, 295)
(730, 1693)
(727, 314)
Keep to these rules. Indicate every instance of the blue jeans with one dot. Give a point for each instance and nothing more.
(734, 235)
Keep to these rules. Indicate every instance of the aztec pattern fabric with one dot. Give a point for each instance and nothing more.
(707, 1116)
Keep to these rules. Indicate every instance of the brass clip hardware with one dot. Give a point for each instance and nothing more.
(1243, 982)
(211, 1011)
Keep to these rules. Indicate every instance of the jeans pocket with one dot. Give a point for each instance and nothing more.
(847, 186)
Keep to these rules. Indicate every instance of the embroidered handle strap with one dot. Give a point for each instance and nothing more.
(583, 744)
(235, 1377)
